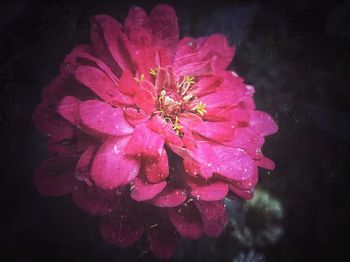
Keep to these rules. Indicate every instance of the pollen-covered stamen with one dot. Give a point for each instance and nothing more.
(153, 71)
(200, 108)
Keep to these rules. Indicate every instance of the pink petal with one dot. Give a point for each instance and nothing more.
(111, 167)
(160, 126)
(101, 85)
(101, 118)
(84, 56)
(127, 84)
(170, 197)
(55, 176)
(142, 190)
(113, 41)
(214, 217)
(145, 142)
(145, 100)
(157, 170)
(82, 170)
(207, 190)
(164, 26)
(206, 85)
(122, 228)
(94, 200)
(138, 27)
(186, 220)
(232, 163)
(243, 193)
(262, 124)
(266, 163)
(68, 108)
(135, 116)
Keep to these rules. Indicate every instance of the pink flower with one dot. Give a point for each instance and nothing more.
(143, 113)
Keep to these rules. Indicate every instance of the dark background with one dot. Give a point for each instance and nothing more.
(296, 54)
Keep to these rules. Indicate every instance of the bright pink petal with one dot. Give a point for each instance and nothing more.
(101, 118)
(111, 167)
(135, 116)
(170, 197)
(157, 170)
(186, 220)
(145, 100)
(262, 124)
(142, 190)
(94, 200)
(68, 108)
(100, 83)
(206, 85)
(122, 228)
(160, 126)
(55, 176)
(144, 142)
(127, 84)
(213, 216)
(207, 190)
(232, 163)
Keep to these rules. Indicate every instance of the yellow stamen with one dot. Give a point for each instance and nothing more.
(176, 126)
(153, 72)
(200, 108)
(142, 77)
(189, 79)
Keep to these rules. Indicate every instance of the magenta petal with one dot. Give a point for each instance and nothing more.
(157, 170)
(207, 191)
(82, 170)
(138, 27)
(145, 100)
(170, 197)
(232, 163)
(164, 26)
(111, 167)
(69, 109)
(218, 131)
(266, 163)
(94, 200)
(160, 126)
(206, 85)
(101, 84)
(103, 119)
(243, 193)
(186, 220)
(116, 41)
(55, 176)
(122, 228)
(127, 84)
(213, 216)
(142, 190)
(145, 142)
(162, 239)
(135, 116)
(262, 124)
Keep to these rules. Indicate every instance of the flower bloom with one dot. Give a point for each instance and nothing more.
(143, 117)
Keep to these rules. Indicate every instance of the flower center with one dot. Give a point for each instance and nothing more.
(174, 101)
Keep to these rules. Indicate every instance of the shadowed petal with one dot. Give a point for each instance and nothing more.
(142, 190)
(94, 200)
(187, 220)
(55, 176)
(213, 216)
